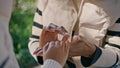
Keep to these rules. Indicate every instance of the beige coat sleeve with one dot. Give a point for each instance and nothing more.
(108, 55)
(36, 28)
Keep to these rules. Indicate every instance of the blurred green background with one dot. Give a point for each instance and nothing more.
(20, 29)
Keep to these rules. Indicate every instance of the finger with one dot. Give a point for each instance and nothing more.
(62, 30)
(52, 43)
(37, 50)
(76, 39)
(42, 39)
(44, 29)
(67, 44)
(57, 44)
(48, 29)
(45, 47)
(63, 45)
(40, 53)
(65, 37)
(52, 27)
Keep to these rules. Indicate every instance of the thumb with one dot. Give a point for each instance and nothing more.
(76, 38)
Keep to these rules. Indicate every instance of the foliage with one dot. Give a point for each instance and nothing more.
(20, 29)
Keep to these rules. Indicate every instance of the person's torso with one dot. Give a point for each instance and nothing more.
(97, 16)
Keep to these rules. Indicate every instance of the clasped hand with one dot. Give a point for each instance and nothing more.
(53, 48)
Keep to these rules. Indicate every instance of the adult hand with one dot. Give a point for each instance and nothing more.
(39, 51)
(57, 51)
(50, 33)
(81, 47)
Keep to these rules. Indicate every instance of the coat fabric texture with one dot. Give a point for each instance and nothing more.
(95, 20)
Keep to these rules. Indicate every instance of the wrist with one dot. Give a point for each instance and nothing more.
(91, 52)
(88, 61)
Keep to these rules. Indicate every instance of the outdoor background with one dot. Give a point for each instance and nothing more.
(20, 29)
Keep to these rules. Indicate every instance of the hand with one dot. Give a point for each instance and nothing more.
(47, 36)
(81, 47)
(57, 51)
(39, 51)
(50, 33)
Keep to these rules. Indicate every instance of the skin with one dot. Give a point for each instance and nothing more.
(81, 47)
(50, 33)
(51, 47)
(78, 47)
(57, 51)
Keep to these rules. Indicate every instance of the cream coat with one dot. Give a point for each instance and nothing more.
(91, 19)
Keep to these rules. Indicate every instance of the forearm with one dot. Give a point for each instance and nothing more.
(36, 30)
(102, 58)
(109, 56)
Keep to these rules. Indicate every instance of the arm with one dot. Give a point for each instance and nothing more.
(48, 33)
(55, 54)
(109, 56)
(37, 29)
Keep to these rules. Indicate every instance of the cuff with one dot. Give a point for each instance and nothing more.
(89, 61)
(51, 64)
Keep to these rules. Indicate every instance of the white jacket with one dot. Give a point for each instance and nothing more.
(96, 20)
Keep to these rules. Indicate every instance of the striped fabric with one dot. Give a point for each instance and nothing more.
(39, 26)
(118, 21)
(113, 34)
(96, 35)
